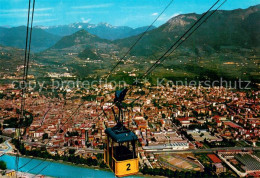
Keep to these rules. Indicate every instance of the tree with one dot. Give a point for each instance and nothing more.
(76, 142)
(45, 136)
(71, 151)
(153, 139)
(103, 165)
(1, 140)
(2, 165)
(71, 134)
(100, 156)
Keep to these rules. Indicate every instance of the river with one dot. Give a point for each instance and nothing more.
(54, 169)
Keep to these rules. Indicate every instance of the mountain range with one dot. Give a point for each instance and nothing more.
(226, 45)
(102, 30)
(45, 37)
(15, 37)
(225, 29)
(237, 28)
(229, 40)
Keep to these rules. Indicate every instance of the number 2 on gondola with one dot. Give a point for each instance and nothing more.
(128, 167)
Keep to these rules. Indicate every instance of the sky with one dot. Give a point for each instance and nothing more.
(133, 13)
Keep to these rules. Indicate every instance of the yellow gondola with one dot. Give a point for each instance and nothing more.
(120, 150)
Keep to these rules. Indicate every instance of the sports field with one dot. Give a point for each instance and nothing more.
(180, 161)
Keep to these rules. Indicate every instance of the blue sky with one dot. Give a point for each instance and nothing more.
(133, 13)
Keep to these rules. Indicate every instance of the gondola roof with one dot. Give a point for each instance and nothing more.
(120, 135)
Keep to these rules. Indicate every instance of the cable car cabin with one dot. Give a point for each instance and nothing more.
(119, 152)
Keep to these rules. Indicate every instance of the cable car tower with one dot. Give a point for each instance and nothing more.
(120, 151)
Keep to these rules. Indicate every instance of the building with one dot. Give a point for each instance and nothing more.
(216, 163)
(10, 173)
(214, 158)
(219, 168)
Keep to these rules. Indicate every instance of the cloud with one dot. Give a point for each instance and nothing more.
(156, 13)
(176, 14)
(85, 20)
(43, 9)
(24, 10)
(93, 6)
(22, 15)
(165, 17)
(137, 7)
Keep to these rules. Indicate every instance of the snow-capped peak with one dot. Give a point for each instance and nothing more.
(106, 24)
(42, 27)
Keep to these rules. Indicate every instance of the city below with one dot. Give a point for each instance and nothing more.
(178, 127)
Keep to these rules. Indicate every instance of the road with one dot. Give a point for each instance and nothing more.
(9, 147)
(208, 150)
